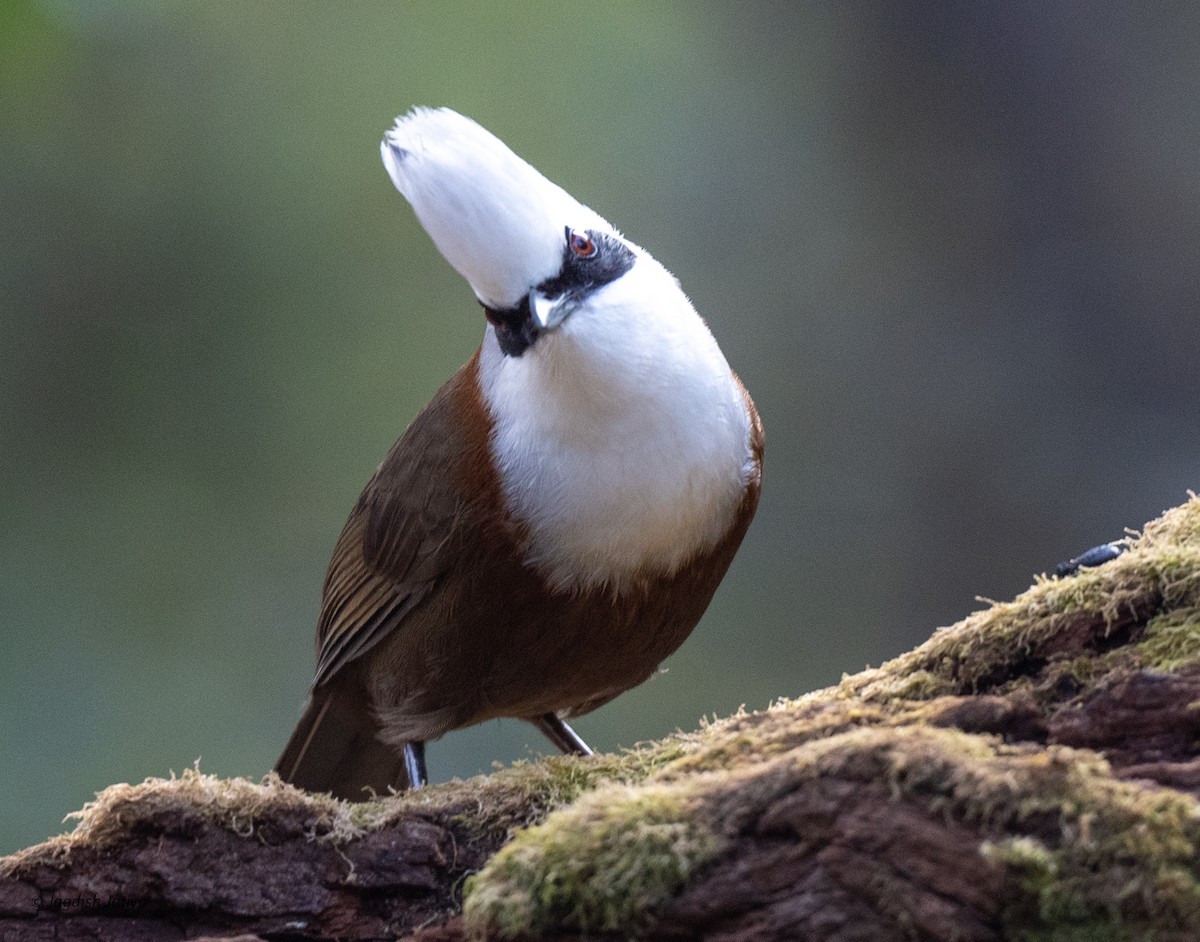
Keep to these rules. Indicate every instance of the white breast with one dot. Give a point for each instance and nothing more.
(622, 438)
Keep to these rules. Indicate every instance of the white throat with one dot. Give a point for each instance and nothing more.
(622, 438)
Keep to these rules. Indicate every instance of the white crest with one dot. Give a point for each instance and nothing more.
(497, 220)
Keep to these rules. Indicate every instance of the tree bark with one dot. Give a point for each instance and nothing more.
(1031, 772)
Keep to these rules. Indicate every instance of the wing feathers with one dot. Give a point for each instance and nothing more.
(398, 542)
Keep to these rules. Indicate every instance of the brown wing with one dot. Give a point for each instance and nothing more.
(394, 547)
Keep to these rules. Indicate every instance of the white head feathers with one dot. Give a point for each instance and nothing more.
(497, 220)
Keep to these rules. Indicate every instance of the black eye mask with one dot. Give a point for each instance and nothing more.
(590, 260)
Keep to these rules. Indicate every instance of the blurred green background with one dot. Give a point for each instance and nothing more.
(953, 254)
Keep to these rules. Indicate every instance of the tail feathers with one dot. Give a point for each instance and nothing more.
(335, 749)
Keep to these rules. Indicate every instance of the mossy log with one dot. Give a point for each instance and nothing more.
(1031, 772)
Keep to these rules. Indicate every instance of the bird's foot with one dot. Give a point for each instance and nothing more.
(558, 732)
(414, 764)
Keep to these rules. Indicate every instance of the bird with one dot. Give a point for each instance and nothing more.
(553, 524)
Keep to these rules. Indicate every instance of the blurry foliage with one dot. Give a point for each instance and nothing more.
(954, 257)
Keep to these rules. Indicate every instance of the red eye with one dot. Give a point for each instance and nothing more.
(581, 243)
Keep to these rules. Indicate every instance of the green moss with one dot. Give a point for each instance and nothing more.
(601, 865)
(1102, 931)
(920, 684)
(236, 804)
(489, 807)
(1086, 670)
(1094, 854)
(1119, 864)
(1091, 851)
(1161, 569)
(1034, 865)
(1172, 640)
(1090, 856)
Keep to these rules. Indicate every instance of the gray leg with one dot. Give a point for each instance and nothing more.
(559, 733)
(414, 764)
